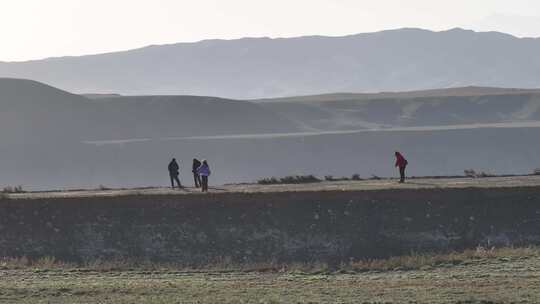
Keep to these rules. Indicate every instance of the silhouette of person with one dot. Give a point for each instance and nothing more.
(204, 172)
(174, 171)
(401, 163)
(196, 176)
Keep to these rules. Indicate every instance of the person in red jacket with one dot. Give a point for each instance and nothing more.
(401, 163)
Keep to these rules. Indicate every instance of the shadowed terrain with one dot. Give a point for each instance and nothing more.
(31, 111)
(467, 106)
(328, 222)
(55, 139)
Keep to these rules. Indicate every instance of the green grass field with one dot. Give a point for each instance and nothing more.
(503, 276)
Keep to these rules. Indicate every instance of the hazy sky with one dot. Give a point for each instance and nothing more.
(31, 29)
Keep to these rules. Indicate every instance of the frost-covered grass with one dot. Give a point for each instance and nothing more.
(472, 276)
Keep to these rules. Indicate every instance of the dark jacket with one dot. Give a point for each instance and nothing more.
(174, 168)
(196, 165)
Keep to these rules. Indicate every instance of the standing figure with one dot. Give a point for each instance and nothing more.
(204, 172)
(401, 163)
(174, 171)
(196, 176)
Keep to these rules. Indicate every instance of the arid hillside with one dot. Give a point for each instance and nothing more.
(464, 106)
(31, 111)
(54, 139)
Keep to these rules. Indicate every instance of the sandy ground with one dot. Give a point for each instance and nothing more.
(364, 185)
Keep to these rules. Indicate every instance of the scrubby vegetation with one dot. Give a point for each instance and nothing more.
(304, 179)
(356, 177)
(103, 188)
(474, 174)
(10, 189)
(293, 179)
(413, 261)
(331, 178)
(421, 261)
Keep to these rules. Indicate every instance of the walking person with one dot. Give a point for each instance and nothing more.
(401, 163)
(174, 172)
(204, 172)
(196, 176)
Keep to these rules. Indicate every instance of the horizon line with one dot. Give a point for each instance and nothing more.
(258, 37)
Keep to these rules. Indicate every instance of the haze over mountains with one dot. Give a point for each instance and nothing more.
(397, 60)
(32, 111)
(55, 139)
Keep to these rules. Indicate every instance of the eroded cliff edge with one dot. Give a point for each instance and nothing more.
(329, 226)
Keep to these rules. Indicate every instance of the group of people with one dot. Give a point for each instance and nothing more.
(200, 169)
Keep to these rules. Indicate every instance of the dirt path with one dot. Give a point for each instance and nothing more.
(364, 185)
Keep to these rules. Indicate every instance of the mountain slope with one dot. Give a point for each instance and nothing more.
(410, 109)
(469, 91)
(33, 112)
(397, 60)
(175, 116)
(50, 138)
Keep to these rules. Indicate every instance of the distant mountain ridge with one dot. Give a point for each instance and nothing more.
(251, 68)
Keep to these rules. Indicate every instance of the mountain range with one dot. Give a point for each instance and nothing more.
(254, 68)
